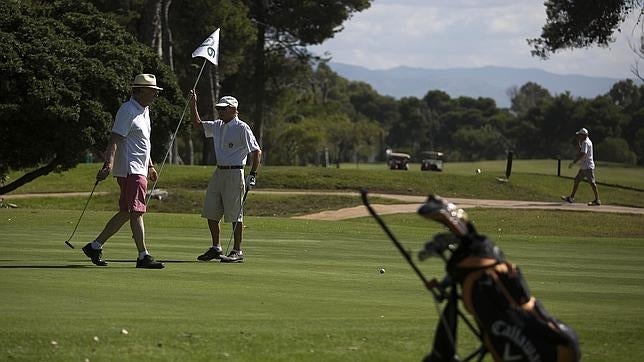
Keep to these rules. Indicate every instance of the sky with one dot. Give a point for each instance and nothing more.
(441, 34)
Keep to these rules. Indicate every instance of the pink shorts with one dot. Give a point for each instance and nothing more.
(133, 190)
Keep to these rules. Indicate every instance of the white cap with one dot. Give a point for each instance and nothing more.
(582, 131)
(227, 101)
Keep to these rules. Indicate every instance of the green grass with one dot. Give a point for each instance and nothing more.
(191, 201)
(606, 172)
(186, 184)
(309, 291)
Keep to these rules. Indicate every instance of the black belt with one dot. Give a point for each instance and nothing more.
(231, 167)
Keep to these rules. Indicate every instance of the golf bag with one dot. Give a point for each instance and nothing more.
(509, 322)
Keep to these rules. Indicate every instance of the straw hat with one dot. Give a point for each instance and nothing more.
(145, 81)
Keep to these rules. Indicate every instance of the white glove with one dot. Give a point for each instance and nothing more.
(251, 180)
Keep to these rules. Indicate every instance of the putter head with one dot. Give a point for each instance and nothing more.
(69, 244)
(446, 213)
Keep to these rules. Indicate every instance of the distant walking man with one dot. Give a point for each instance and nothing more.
(586, 167)
(234, 141)
(128, 157)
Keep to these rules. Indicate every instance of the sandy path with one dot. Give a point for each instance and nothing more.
(413, 203)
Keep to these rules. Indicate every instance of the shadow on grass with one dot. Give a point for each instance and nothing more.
(160, 260)
(44, 266)
(78, 266)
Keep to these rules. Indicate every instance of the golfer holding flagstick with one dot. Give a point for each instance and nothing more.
(233, 142)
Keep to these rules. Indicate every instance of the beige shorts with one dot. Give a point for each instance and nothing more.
(588, 174)
(224, 196)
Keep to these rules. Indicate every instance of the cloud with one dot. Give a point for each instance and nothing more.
(463, 33)
(506, 24)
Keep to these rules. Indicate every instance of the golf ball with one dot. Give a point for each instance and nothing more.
(382, 270)
(478, 170)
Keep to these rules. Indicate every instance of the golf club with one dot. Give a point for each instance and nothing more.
(241, 209)
(446, 213)
(436, 288)
(67, 242)
(428, 284)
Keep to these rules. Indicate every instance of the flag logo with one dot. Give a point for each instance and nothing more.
(209, 49)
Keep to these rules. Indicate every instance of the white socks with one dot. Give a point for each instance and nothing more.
(143, 254)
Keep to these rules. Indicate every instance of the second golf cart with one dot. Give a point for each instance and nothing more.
(432, 161)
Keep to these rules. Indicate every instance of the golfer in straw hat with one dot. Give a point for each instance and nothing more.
(586, 167)
(128, 158)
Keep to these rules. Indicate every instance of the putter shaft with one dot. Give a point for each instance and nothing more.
(68, 241)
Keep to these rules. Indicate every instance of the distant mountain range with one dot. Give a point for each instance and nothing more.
(491, 82)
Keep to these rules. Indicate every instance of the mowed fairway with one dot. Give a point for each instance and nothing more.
(309, 291)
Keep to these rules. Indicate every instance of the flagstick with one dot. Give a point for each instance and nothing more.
(174, 135)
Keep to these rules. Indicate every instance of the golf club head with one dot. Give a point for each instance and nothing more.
(446, 213)
(69, 244)
(438, 245)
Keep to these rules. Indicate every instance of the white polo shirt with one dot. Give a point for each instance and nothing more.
(233, 141)
(132, 121)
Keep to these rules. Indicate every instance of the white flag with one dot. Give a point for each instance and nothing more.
(209, 49)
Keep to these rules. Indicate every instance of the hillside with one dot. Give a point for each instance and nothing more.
(492, 82)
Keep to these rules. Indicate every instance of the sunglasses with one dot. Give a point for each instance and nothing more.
(221, 108)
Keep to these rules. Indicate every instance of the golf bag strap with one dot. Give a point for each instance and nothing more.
(517, 299)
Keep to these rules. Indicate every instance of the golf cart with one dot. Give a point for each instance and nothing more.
(432, 161)
(397, 161)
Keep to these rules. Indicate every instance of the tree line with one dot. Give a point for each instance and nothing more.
(355, 123)
(66, 67)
